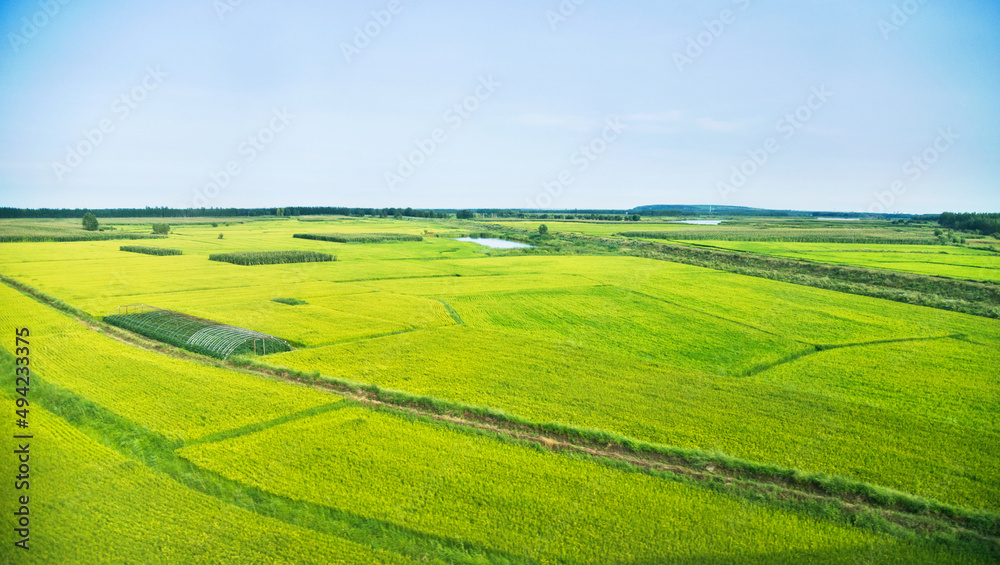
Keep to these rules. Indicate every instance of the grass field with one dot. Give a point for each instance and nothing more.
(942, 261)
(516, 500)
(774, 373)
(93, 504)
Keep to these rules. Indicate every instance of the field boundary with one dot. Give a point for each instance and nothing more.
(819, 495)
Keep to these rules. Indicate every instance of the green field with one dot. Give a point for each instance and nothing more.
(776, 374)
(515, 500)
(942, 261)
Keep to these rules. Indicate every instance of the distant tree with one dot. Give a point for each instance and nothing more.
(215, 224)
(465, 215)
(938, 232)
(162, 229)
(90, 222)
(543, 229)
(636, 217)
(220, 236)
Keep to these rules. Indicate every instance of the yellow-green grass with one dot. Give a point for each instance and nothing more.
(754, 418)
(622, 323)
(520, 501)
(937, 260)
(176, 398)
(639, 347)
(89, 504)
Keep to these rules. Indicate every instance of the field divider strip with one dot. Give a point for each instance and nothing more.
(451, 312)
(820, 348)
(261, 426)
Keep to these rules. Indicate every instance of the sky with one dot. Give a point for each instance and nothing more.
(831, 105)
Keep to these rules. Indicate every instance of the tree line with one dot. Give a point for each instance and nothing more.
(164, 212)
(986, 224)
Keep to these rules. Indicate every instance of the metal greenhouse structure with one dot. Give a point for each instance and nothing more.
(193, 333)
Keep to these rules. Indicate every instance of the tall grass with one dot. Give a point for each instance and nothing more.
(360, 237)
(160, 251)
(248, 258)
(15, 236)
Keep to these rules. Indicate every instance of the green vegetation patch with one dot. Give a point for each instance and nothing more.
(360, 237)
(248, 258)
(506, 498)
(844, 235)
(197, 334)
(161, 251)
(289, 301)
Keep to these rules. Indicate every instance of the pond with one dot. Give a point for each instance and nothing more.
(698, 222)
(495, 243)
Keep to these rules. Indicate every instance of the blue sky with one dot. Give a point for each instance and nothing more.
(501, 104)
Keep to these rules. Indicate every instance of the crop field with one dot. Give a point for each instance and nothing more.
(447, 402)
(510, 499)
(172, 397)
(94, 501)
(940, 261)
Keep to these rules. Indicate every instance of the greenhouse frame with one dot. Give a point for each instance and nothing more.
(196, 334)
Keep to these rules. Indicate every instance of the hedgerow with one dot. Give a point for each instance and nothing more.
(248, 258)
(360, 237)
(161, 251)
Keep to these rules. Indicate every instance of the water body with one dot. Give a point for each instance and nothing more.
(698, 222)
(495, 243)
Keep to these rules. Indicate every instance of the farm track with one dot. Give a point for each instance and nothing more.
(903, 515)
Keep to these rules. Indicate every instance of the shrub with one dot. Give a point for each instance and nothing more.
(150, 250)
(90, 222)
(543, 229)
(162, 229)
(289, 301)
(248, 258)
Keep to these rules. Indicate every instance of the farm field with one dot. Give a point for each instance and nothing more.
(93, 501)
(686, 357)
(936, 260)
(444, 482)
